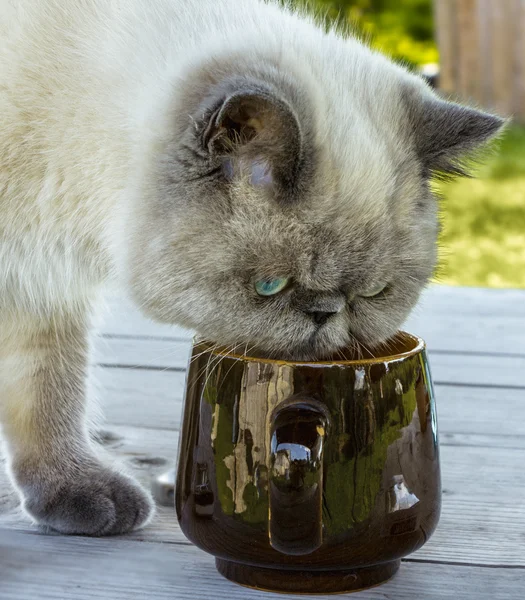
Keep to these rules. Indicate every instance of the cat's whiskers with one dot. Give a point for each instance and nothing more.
(215, 365)
(341, 354)
(205, 368)
(389, 345)
(213, 360)
(234, 362)
(357, 346)
(210, 350)
(162, 355)
(368, 349)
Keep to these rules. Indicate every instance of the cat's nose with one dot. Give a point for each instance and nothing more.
(321, 317)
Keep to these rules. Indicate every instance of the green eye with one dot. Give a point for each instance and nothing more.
(270, 287)
(373, 291)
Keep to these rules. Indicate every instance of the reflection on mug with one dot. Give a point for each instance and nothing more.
(399, 496)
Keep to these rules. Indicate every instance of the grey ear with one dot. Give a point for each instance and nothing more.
(447, 132)
(252, 130)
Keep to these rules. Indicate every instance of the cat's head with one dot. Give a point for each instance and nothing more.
(277, 214)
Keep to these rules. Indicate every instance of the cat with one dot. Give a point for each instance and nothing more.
(234, 168)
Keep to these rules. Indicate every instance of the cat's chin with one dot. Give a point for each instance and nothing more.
(313, 353)
(307, 352)
(313, 350)
(323, 346)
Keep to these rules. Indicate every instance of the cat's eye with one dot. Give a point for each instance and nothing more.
(374, 290)
(270, 287)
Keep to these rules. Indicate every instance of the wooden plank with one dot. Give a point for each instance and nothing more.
(482, 521)
(469, 76)
(147, 352)
(464, 369)
(480, 411)
(154, 399)
(497, 334)
(484, 52)
(74, 568)
(458, 368)
(519, 53)
(447, 43)
(481, 52)
(121, 317)
(471, 320)
(503, 37)
(468, 301)
(141, 398)
(448, 318)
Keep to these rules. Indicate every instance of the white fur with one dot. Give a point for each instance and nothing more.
(84, 90)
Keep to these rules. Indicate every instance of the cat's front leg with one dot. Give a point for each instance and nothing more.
(52, 462)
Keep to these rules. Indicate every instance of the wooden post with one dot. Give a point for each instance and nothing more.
(482, 48)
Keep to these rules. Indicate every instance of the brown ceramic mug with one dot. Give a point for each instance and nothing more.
(309, 477)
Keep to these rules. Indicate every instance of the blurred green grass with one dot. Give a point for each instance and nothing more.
(483, 237)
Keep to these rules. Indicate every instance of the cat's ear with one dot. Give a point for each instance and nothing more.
(446, 133)
(255, 132)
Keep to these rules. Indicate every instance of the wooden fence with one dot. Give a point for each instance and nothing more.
(482, 47)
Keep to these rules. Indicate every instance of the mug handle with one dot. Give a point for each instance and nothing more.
(298, 427)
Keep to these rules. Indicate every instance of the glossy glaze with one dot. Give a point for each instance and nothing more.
(309, 478)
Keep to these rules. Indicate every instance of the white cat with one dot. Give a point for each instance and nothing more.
(233, 167)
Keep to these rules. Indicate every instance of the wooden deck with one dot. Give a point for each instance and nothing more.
(476, 340)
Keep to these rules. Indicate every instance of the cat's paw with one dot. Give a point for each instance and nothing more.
(96, 502)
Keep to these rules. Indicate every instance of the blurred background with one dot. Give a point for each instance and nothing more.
(474, 51)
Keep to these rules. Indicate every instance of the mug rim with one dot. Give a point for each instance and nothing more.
(419, 346)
